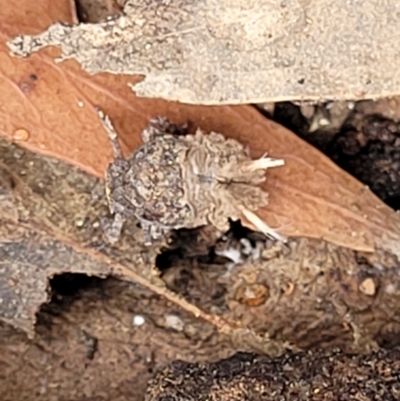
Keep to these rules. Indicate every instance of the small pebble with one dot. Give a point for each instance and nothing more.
(174, 322)
(138, 320)
(80, 222)
(368, 287)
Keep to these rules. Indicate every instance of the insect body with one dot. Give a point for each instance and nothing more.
(183, 181)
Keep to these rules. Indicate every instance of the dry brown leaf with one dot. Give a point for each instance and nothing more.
(53, 104)
(237, 51)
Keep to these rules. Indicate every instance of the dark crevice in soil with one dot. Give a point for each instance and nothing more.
(66, 289)
(369, 149)
(70, 284)
(289, 115)
(186, 244)
(90, 11)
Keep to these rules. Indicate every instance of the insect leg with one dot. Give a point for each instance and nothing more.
(112, 134)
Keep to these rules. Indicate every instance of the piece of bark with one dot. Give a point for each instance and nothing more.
(316, 376)
(49, 108)
(307, 294)
(235, 51)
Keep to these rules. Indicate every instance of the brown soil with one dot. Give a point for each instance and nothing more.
(88, 346)
(316, 376)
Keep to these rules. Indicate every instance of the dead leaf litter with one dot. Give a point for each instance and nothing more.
(199, 296)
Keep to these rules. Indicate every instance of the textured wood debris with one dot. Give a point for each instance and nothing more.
(235, 51)
(177, 180)
(312, 376)
(306, 293)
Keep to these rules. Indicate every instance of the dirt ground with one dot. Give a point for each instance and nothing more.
(102, 339)
(316, 376)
